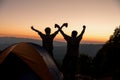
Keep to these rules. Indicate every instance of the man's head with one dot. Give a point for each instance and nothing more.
(74, 33)
(47, 30)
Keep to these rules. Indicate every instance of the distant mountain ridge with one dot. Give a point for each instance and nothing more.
(6, 41)
(59, 47)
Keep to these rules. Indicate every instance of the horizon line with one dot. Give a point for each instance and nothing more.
(82, 42)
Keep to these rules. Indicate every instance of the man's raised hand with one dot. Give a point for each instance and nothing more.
(84, 26)
(60, 27)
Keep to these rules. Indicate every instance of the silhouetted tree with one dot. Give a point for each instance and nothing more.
(85, 64)
(107, 60)
(116, 35)
(84, 67)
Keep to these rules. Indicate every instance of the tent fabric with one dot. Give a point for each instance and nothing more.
(36, 57)
(13, 68)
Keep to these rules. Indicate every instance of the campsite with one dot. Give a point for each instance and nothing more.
(27, 61)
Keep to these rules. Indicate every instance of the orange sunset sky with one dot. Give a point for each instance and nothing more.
(101, 17)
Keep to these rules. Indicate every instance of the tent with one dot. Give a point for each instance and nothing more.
(27, 61)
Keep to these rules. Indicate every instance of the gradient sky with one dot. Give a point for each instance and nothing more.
(101, 17)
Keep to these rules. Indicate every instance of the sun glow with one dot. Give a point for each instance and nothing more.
(100, 17)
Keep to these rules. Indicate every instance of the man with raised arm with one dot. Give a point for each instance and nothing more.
(47, 39)
(70, 59)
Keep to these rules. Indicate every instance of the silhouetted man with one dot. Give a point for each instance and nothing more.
(70, 59)
(47, 39)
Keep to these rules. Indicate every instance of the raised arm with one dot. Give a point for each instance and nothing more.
(39, 32)
(81, 34)
(34, 29)
(66, 37)
(59, 28)
(55, 33)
